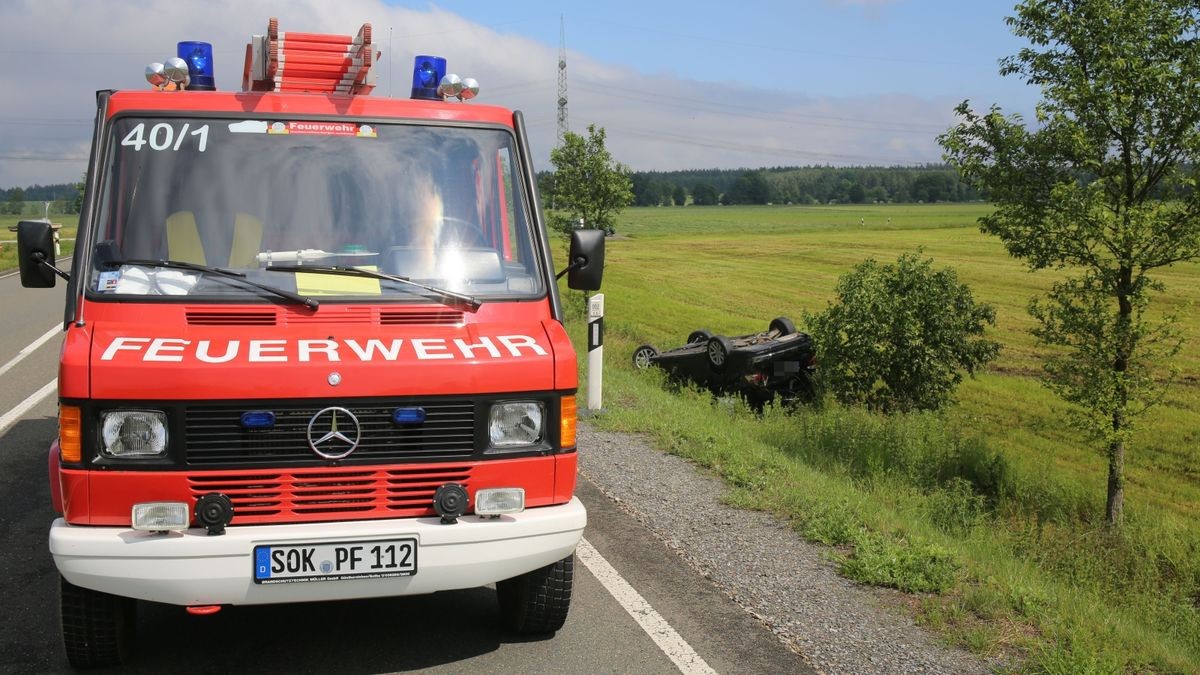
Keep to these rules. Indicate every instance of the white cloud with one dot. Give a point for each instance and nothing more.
(654, 121)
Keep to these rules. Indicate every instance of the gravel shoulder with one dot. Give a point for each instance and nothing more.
(836, 625)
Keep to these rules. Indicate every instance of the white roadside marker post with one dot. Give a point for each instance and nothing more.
(595, 350)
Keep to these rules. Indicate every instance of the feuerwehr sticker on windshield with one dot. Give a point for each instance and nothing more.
(303, 127)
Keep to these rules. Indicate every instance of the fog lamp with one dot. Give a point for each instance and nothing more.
(160, 516)
(497, 501)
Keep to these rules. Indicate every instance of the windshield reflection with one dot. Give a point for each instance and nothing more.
(440, 205)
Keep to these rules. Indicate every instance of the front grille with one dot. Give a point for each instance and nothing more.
(215, 437)
(306, 495)
(433, 317)
(330, 314)
(200, 317)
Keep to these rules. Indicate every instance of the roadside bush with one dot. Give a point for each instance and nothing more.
(956, 508)
(898, 336)
(910, 566)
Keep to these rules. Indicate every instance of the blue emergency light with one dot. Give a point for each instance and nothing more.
(258, 419)
(199, 59)
(407, 416)
(428, 71)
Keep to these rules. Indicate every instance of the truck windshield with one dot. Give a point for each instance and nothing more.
(440, 205)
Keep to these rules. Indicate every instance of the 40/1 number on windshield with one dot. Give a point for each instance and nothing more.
(163, 136)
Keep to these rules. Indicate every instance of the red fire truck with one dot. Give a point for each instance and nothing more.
(313, 348)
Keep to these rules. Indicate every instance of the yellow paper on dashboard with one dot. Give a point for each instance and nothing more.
(311, 283)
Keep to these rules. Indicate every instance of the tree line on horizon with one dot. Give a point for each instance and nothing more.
(63, 198)
(795, 185)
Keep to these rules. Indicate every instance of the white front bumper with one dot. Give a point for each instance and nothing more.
(192, 568)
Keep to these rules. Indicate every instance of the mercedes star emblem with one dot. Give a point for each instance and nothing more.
(333, 433)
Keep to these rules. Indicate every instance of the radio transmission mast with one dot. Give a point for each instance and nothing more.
(562, 80)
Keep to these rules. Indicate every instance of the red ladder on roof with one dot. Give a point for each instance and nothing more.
(313, 62)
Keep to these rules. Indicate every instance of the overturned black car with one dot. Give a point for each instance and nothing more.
(760, 366)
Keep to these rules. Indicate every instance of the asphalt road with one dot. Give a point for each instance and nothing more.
(446, 632)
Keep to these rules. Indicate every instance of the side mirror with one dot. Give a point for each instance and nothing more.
(587, 260)
(35, 251)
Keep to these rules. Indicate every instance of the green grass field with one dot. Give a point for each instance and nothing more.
(732, 269)
(8, 249)
(1099, 603)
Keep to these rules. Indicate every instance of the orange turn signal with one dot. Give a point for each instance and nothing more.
(567, 431)
(70, 433)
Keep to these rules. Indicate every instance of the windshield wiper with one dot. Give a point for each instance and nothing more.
(218, 271)
(445, 295)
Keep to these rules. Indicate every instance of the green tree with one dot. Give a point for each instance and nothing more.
(857, 194)
(16, 202)
(750, 188)
(1118, 126)
(898, 336)
(77, 200)
(679, 195)
(705, 194)
(588, 182)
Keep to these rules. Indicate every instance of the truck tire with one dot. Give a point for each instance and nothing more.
(701, 335)
(97, 628)
(718, 349)
(643, 357)
(782, 325)
(537, 602)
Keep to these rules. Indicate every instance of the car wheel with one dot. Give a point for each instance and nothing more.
(643, 357)
(97, 628)
(718, 349)
(800, 389)
(782, 325)
(537, 602)
(701, 335)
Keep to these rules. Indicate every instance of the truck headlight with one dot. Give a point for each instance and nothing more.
(134, 433)
(515, 424)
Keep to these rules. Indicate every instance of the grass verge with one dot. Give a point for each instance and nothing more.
(990, 571)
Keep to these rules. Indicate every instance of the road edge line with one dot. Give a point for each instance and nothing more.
(668, 640)
(25, 406)
(31, 348)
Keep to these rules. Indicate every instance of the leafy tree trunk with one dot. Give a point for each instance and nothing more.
(1115, 509)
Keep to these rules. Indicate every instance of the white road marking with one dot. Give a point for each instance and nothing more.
(670, 642)
(54, 330)
(25, 406)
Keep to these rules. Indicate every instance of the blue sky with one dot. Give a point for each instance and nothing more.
(929, 48)
(676, 85)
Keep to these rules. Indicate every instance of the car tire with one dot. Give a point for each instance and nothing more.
(782, 325)
(537, 602)
(718, 349)
(97, 628)
(800, 390)
(643, 357)
(701, 335)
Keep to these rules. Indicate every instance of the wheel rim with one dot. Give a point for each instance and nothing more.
(716, 354)
(642, 358)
